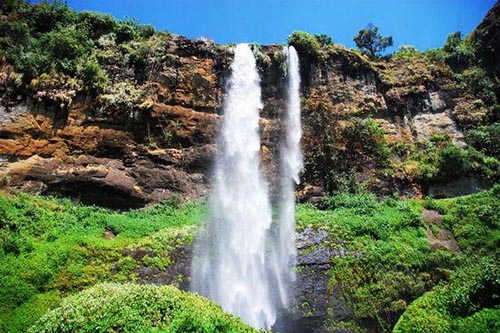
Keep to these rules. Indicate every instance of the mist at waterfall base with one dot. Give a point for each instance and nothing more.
(243, 260)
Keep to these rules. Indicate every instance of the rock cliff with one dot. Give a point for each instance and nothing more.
(149, 134)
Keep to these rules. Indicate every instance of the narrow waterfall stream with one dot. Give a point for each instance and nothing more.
(284, 254)
(238, 262)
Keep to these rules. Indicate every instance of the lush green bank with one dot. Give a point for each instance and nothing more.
(52, 248)
(391, 260)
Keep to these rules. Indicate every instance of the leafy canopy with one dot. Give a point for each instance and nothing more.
(370, 41)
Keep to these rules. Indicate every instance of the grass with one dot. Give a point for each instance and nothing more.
(50, 248)
(389, 262)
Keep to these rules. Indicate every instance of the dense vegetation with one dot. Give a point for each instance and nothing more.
(50, 38)
(50, 248)
(468, 303)
(390, 261)
(112, 307)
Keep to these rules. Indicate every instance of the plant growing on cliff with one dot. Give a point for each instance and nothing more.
(460, 53)
(304, 42)
(370, 41)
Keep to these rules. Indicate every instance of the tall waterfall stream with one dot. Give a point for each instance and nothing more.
(242, 260)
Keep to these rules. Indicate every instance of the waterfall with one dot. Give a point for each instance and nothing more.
(229, 264)
(284, 254)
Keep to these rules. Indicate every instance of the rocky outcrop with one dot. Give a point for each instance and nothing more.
(152, 133)
(486, 38)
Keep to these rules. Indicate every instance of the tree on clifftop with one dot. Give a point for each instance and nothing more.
(370, 41)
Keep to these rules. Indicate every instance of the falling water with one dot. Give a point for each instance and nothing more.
(229, 265)
(284, 254)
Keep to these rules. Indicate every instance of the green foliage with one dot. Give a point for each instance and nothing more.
(370, 41)
(406, 52)
(388, 261)
(460, 53)
(439, 161)
(324, 40)
(435, 55)
(92, 75)
(474, 80)
(468, 303)
(97, 24)
(485, 139)
(304, 42)
(49, 37)
(138, 308)
(367, 137)
(474, 220)
(327, 162)
(54, 247)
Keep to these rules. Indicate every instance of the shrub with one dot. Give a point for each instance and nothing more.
(324, 40)
(460, 53)
(367, 137)
(97, 24)
(468, 303)
(92, 75)
(475, 80)
(486, 139)
(363, 202)
(125, 31)
(47, 16)
(436, 55)
(406, 51)
(453, 163)
(304, 42)
(137, 308)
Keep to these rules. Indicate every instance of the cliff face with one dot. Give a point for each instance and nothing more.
(150, 134)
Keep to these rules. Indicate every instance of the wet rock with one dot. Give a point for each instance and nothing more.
(458, 187)
(315, 301)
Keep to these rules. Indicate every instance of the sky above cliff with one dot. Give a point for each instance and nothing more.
(422, 23)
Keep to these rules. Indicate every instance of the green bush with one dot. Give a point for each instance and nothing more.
(324, 40)
(304, 42)
(388, 261)
(363, 202)
(475, 80)
(405, 52)
(486, 139)
(468, 303)
(92, 75)
(474, 220)
(365, 136)
(137, 308)
(460, 53)
(435, 55)
(453, 163)
(97, 24)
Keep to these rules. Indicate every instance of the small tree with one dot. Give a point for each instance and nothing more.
(370, 41)
(324, 40)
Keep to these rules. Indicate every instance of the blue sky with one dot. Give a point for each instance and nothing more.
(422, 23)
